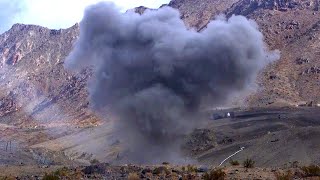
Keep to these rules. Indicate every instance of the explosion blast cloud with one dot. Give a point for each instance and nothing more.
(153, 73)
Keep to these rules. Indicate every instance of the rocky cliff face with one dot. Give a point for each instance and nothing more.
(291, 27)
(246, 7)
(34, 84)
(197, 13)
(288, 25)
(35, 88)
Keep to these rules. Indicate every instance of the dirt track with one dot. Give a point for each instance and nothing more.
(271, 137)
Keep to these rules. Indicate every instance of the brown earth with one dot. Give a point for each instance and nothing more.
(45, 114)
(167, 171)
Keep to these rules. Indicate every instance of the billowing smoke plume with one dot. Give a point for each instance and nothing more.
(154, 74)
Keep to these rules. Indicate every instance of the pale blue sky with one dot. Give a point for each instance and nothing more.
(56, 14)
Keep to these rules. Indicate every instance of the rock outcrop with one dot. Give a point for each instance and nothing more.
(34, 84)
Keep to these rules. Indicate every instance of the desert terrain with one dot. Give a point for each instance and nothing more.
(47, 124)
(276, 139)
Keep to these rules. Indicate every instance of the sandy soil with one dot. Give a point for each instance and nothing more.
(273, 138)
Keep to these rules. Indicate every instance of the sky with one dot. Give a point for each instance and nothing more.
(56, 14)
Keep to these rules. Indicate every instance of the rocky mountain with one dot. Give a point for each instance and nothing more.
(36, 89)
(291, 26)
(198, 13)
(45, 115)
(247, 7)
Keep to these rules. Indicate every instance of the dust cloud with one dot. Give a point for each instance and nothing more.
(154, 74)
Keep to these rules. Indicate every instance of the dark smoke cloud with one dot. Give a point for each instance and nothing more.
(10, 9)
(154, 74)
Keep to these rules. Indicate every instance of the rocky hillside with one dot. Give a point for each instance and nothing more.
(36, 89)
(197, 13)
(292, 26)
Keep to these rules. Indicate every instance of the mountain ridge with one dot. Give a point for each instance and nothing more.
(34, 55)
(45, 112)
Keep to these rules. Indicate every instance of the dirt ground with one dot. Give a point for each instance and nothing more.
(133, 172)
(277, 139)
(273, 137)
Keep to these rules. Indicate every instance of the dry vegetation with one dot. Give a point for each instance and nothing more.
(234, 162)
(284, 176)
(215, 174)
(63, 173)
(294, 78)
(248, 163)
(133, 172)
(133, 176)
(312, 170)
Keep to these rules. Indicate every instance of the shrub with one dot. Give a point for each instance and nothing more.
(191, 168)
(248, 163)
(161, 170)
(165, 163)
(50, 177)
(94, 161)
(215, 174)
(133, 176)
(61, 172)
(312, 170)
(284, 176)
(183, 168)
(97, 168)
(234, 163)
(295, 164)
